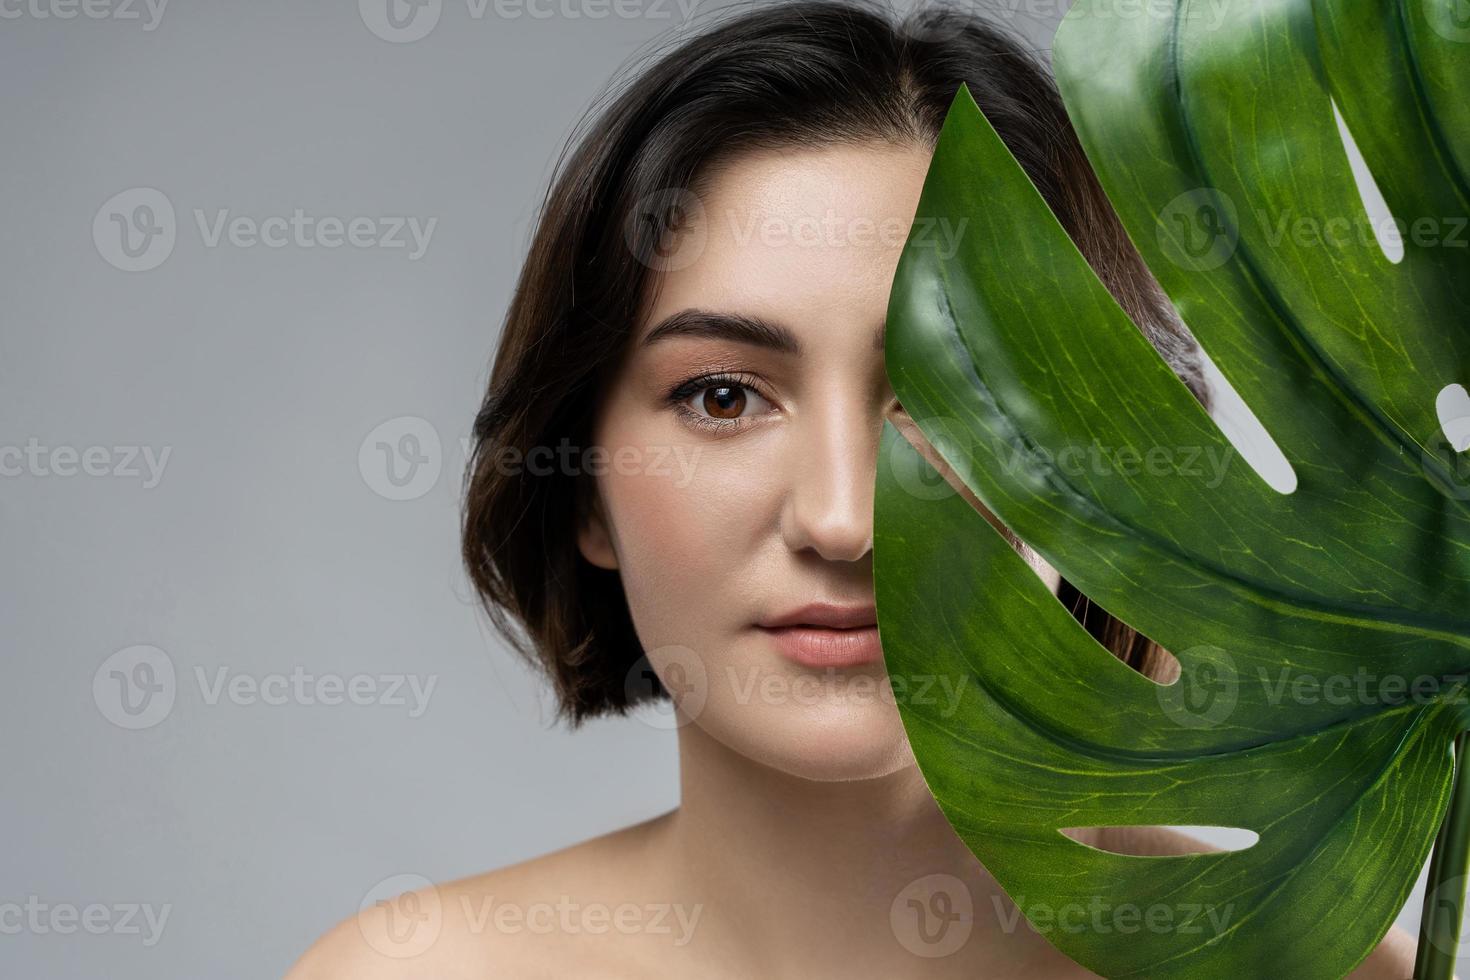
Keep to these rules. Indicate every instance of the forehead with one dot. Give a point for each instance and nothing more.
(810, 236)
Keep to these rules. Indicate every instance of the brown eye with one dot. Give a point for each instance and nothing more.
(724, 401)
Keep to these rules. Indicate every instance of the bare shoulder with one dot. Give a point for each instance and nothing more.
(547, 916)
(1391, 959)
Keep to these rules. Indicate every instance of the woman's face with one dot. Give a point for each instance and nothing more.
(745, 496)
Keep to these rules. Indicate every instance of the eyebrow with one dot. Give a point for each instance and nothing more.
(738, 327)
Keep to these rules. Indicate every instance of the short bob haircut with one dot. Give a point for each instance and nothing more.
(805, 73)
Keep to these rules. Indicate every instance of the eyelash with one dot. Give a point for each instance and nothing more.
(682, 392)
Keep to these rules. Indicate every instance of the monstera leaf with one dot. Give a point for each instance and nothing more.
(1323, 634)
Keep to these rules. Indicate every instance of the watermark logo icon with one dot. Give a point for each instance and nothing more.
(1440, 909)
(950, 447)
(135, 687)
(1447, 456)
(933, 916)
(1450, 19)
(683, 676)
(401, 458)
(920, 23)
(401, 916)
(400, 21)
(666, 230)
(1207, 690)
(1199, 229)
(135, 230)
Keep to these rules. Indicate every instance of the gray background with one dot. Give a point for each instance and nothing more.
(271, 544)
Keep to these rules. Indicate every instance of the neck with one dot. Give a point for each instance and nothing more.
(807, 878)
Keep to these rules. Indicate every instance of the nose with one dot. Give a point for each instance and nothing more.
(834, 462)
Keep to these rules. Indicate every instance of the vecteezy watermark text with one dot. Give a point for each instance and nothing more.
(1099, 916)
(136, 230)
(834, 686)
(136, 688)
(403, 915)
(403, 457)
(122, 10)
(1363, 687)
(572, 917)
(405, 21)
(39, 917)
(123, 462)
(305, 688)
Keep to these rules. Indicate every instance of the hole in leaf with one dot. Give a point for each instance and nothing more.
(1126, 643)
(1129, 645)
(1380, 218)
(1246, 433)
(1162, 841)
(1453, 407)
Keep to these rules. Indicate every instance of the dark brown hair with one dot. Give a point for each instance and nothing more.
(812, 72)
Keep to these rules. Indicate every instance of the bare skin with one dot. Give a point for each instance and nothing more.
(802, 931)
(806, 838)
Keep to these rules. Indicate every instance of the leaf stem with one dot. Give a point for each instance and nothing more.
(1444, 892)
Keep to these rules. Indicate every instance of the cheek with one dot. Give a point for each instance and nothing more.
(701, 556)
(690, 526)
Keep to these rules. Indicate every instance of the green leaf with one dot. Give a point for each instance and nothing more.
(1324, 634)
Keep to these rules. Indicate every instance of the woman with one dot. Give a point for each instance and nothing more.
(703, 302)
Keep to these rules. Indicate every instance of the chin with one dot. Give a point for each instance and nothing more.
(821, 741)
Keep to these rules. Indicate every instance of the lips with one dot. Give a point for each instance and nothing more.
(824, 634)
(830, 615)
(821, 647)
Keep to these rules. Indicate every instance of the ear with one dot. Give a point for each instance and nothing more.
(593, 538)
